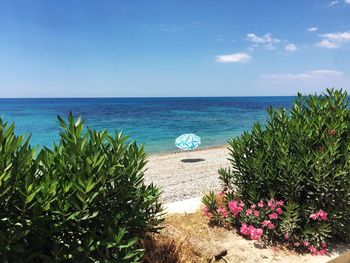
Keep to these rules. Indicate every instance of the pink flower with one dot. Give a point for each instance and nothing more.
(261, 204)
(256, 213)
(233, 203)
(207, 213)
(241, 204)
(271, 226)
(271, 204)
(222, 211)
(320, 214)
(323, 215)
(251, 231)
(314, 216)
(286, 236)
(220, 194)
(248, 212)
(252, 206)
(235, 208)
(273, 216)
(322, 252)
(306, 243)
(297, 244)
(279, 211)
(323, 244)
(266, 222)
(279, 203)
(256, 233)
(313, 250)
(244, 230)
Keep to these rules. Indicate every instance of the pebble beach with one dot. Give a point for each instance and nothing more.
(183, 175)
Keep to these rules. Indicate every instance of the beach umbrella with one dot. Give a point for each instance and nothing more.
(188, 141)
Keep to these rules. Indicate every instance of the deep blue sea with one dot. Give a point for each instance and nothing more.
(155, 122)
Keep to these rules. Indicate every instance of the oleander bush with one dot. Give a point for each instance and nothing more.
(82, 201)
(297, 167)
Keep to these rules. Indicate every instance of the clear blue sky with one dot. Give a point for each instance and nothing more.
(172, 48)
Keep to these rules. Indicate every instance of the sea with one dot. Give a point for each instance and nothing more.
(153, 122)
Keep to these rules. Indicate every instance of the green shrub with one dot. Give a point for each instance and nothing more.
(301, 157)
(83, 201)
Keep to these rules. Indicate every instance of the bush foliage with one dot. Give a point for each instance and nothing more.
(300, 157)
(82, 201)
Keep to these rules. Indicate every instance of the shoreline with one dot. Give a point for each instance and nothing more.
(176, 151)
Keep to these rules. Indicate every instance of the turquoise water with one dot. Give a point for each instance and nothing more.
(155, 122)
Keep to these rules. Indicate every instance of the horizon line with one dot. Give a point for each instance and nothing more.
(151, 97)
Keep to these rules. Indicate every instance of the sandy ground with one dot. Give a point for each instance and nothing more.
(195, 242)
(242, 250)
(184, 175)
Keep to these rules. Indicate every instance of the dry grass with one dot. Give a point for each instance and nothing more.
(185, 238)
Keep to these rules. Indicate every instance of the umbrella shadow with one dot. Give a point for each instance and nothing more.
(192, 160)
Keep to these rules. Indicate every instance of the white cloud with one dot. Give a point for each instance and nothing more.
(326, 44)
(254, 38)
(307, 81)
(326, 72)
(234, 58)
(338, 37)
(310, 75)
(291, 47)
(267, 40)
(333, 40)
(312, 29)
(335, 2)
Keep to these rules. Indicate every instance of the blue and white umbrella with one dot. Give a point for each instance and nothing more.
(188, 141)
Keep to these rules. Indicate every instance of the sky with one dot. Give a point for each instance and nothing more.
(163, 48)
